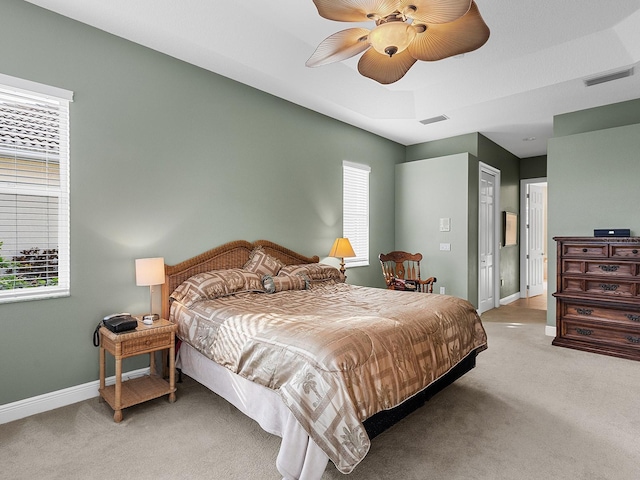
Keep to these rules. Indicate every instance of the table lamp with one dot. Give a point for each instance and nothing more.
(150, 272)
(342, 248)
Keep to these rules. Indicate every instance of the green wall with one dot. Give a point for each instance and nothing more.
(481, 149)
(421, 187)
(592, 177)
(169, 160)
(533, 167)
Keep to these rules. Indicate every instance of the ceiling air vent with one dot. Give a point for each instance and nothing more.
(609, 77)
(439, 118)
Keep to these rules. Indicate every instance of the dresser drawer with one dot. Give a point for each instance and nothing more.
(572, 285)
(585, 250)
(625, 251)
(610, 269)
(623, 316)
(610, 287)
(575, 267)
(588, 332)
(143, 344)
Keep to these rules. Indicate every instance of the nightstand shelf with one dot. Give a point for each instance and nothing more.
(145, 339)
(136, 390)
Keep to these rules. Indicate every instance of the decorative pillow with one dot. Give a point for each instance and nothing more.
(218, 283)
(262, 263)
(400, 284)
(313, 272)
(279, 284)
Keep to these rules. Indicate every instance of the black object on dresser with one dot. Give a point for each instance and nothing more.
(598, 295)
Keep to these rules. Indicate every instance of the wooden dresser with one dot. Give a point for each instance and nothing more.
(598, 297)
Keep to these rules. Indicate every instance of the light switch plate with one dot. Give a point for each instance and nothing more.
(445, 224)
(445, 247)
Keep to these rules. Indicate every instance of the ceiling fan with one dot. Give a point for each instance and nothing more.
(405, 31)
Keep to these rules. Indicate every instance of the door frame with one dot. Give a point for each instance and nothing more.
(496, 234)
(524, 239)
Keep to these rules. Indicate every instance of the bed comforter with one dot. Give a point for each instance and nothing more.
(336, 354)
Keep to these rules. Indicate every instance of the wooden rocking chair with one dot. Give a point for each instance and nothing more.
(401, 271)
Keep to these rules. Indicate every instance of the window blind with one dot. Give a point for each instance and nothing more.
(34, 192)
(355, 215)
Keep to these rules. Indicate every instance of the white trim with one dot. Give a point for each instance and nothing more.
(60, 398)
(356, 188)
(550, 331)
(27, 86)
(524, 239)
(360, 166)
(497, 227)
(511, 298)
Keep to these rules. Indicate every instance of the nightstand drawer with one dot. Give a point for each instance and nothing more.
(143, 344)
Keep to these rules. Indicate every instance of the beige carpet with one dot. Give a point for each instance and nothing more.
(527, 411)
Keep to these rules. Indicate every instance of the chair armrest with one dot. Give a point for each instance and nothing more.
(426, 285)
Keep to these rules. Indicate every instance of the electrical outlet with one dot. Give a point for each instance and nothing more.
(442, 291)
(445, 247)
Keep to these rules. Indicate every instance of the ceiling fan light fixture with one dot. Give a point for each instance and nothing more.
(391, 37)
(405, 31)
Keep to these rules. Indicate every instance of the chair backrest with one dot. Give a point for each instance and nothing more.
(399, 264)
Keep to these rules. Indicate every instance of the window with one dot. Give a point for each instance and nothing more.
(34, 190)
(355, 214)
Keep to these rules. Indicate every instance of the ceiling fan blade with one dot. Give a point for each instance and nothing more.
(383, 68)
(340, 46)
(355, 10)
(435, 11)
(444, 40)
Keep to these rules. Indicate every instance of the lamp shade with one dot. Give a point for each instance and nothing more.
(342, 248)
(149, 271)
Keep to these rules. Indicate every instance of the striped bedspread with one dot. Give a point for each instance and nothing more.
(336, 354)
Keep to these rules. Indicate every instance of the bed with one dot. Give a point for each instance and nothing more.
(325, 365)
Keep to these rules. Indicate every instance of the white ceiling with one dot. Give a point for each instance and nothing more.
(531, 69)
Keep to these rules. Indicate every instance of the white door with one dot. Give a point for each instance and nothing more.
(535, 237)
(486, 241)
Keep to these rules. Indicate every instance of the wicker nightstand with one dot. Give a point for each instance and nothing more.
(144, 339)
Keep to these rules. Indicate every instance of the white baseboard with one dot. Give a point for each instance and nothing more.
(510, 298)
(60, 398)
(550, 331)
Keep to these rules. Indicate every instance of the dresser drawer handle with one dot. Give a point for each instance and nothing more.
(584, 250)
(633, 339)
(634, 251)
(632, 317)
(609, 268)
(585, 331)
(584, 311)
(609, 287)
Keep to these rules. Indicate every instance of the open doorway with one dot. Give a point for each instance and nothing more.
(533, 234)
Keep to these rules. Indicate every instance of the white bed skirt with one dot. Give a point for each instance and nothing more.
(299, 457)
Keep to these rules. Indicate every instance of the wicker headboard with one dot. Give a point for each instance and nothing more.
(230, 255)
